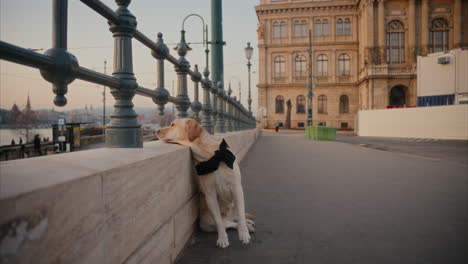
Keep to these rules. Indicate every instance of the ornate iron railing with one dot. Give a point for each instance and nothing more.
(60, 67)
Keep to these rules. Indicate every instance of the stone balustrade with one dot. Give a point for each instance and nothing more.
(107, 205)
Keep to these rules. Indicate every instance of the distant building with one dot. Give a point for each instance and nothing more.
(364, 54)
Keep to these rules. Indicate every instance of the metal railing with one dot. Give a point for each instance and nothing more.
(60, 68)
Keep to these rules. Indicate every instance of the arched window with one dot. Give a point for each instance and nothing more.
(280, 67)
(438, 39)
(325, 27)
(322, 65)
(300, 104)
(318, 27)
(300, 66)
(283, 29)
(339, 26)
(279, 104)
(347, 26)
(344, 104)
(343, 65)
(304, 28)
(395, 51)
(276, 30)
(322, 104)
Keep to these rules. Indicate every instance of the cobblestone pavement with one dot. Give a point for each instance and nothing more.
(334, 202)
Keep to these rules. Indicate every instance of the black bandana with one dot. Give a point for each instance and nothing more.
(222, 154)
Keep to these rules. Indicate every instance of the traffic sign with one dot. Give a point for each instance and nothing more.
(61, 121)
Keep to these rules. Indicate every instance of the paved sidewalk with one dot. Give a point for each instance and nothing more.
(333, 202)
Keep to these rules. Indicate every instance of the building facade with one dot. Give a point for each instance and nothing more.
(363, 54)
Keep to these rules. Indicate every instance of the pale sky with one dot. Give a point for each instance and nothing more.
(27, 23)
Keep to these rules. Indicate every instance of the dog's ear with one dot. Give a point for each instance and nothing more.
(194, 130)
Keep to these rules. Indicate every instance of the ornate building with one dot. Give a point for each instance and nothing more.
(363, 54)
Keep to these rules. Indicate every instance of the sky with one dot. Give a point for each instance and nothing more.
(27, 24)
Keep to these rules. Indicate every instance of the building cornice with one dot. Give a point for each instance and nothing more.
(298, 7)
(306, 45)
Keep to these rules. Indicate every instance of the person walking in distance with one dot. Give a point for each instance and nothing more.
(37, 145)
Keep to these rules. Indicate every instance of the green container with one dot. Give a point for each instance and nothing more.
(321, 133)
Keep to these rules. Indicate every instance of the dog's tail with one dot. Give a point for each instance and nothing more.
(249, 216)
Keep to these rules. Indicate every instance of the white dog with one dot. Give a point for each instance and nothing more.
(222, 204)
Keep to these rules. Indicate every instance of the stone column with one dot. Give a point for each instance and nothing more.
(457, 24)
(381, 29)
(424, 26)
(411, 32)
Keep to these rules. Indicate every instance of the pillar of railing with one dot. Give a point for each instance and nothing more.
(206, 122)
(219, 128)
(182, 67)
(225, 111)
(196, 106)
(238, 116)
(234, 110)
(160, 54)
(230, 127)
(214, 93)
(123, 129)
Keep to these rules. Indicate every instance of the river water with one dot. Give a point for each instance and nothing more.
(6, 135)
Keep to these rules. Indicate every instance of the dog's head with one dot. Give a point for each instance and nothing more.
(181, 131)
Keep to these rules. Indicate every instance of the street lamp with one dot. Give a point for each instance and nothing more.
(310, 84)
(248, 55)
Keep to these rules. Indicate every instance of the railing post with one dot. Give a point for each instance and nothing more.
(124, 130)
(230, 128)
(181, 69)
(239, 128)
(160, 54)
(196, 105)
(207, 120)
(214, 92)
(219, 128)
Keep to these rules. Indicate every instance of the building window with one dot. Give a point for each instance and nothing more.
(283, 29)
(279, 104)
(300, 124)
(339, 26)
(297, 29)
(438, 39)
(280, 67)
(322, 104)
(304, 28)
(300, 104)
(347, 26)
(322, 65)
(276, 30)
(343, 65)
(322, 124)
(344, 104)
(325, 27)
(395, 51)
(300, 29)
(300, 66)
(344, 125)
(318, 27)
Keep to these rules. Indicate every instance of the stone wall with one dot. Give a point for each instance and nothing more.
(106, 205)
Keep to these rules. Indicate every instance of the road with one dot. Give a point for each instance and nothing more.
(335, 202)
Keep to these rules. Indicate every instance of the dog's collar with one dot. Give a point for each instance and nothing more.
(222, 154)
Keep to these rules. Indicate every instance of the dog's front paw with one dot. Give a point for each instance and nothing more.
(244, 235)
(223, 241)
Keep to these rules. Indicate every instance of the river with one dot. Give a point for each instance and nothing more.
(6, 135)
